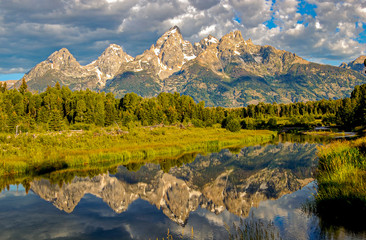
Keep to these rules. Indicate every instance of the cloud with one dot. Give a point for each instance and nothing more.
(30, 30)
(12, 70)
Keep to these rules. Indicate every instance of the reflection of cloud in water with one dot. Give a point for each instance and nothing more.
(172, 194)
(221, 219)
(15, 191)
(286, 213)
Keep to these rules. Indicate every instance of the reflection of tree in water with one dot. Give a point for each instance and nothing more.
(178, 186)
(336, 219)
(303, 138)
(167, 164)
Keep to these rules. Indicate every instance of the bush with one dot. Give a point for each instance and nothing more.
(272, 123)
(248, 123)
(233, 125)
(198, 123)
(80, 126)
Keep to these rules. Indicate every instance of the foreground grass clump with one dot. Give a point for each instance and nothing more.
(341, 183)
(47, 152)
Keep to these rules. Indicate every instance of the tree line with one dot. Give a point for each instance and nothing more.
(59, 108)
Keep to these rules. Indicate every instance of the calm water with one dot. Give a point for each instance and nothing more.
(262, 188)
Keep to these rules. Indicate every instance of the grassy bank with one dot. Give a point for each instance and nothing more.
(47, 152)
(341, 182)
(328, 133)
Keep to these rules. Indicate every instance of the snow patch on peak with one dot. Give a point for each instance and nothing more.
(99, 74)
(128, 58)
(157, 51)
(213, 40)
(93, 62)
(173, 31)
(115, 47)
(161, 65)
(188, 58)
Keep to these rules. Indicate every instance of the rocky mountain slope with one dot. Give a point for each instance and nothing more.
(357, 64)
(228, 72)
(61, 66)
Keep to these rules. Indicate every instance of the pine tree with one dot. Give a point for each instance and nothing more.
(13, 121)
(110, 109)
(80, 111)
(23, 87)
(56, 122)
(58, 86)
(99, 112)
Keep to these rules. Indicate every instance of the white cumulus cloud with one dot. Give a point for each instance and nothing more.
(30, 30)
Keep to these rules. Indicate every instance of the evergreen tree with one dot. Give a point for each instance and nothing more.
(99, 112)
(13, 122)
(233, 125)
(23, 87)
(58, 86)
(110, 109)
(56, 122)
(80, 111)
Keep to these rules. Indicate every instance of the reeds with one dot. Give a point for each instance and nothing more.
(341, 176)
(341, 171)
(47, 152)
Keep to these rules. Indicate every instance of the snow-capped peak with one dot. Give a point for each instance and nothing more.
(115, 47)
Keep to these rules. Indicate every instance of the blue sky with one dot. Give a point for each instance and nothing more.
(324, 31)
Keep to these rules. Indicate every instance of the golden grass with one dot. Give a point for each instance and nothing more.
(342, 172)
(47, 152)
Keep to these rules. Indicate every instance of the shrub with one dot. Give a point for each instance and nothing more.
(197, 123)
(272, 123)
(233, 125)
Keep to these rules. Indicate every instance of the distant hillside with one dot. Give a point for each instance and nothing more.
(9, 83)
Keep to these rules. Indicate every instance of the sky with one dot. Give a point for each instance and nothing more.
(323, 31)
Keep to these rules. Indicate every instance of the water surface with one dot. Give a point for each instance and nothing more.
(202, 196)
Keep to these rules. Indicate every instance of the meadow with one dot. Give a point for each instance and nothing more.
(41, 153)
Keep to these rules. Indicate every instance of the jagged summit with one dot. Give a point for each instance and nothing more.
(360, 59)
(62, 59)
(108, 64)
(357, 64)
(63, 67)
(202, 45)
(165, 57)
(175, 28)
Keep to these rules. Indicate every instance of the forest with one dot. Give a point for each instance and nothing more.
(59, 108)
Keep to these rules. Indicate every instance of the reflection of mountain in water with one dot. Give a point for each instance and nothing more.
(218, 181)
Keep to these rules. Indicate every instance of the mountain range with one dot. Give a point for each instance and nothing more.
(229, 72)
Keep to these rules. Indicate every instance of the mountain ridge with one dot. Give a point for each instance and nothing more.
(229, 72)
(357, 64)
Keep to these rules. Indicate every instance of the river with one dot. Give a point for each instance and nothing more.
(257, 191)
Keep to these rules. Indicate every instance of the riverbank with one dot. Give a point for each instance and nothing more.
(341, 180)
(330, 134)
(47, 152)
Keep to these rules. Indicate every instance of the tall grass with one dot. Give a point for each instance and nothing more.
(341, 179)
(64, 176)
(47, 152)
(253, 229)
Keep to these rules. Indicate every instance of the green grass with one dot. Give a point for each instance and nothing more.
(325, 133)
(341, 180)
(47, 152)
